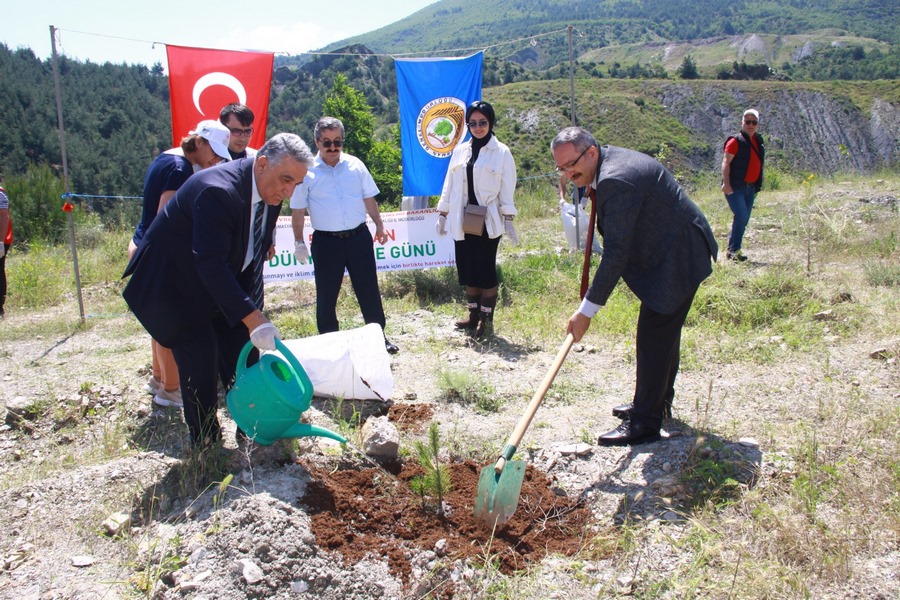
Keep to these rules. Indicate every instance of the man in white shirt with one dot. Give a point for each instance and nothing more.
(338, 193)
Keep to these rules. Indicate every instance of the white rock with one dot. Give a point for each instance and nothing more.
(299, 587)
(198, 555)
(116, 523)
(749, 442)
(82, 561)
(380, 438)
(251, 572)
(577, 449)
(664, 481)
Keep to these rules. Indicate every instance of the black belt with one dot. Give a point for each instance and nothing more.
(345, 233)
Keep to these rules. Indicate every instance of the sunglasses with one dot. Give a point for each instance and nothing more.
(750, 122)
(330, 143)
(240, 132)
(481, 123)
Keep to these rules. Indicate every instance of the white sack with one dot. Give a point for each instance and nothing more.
(338, 363)
(568, 210)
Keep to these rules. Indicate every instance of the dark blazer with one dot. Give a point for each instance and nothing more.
(654, 237)
(188, 266)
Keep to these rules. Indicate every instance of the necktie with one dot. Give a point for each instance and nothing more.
(590, 244)
(256, 261)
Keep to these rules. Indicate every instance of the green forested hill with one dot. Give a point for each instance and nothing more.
(116, 120)
(451, 24)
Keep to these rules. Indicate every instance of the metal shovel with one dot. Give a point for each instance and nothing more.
(499, 486)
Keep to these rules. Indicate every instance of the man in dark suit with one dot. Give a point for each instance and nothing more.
(660, 244)
(197, 274)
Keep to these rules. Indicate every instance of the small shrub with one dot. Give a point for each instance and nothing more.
(468, 389)
(882, 274)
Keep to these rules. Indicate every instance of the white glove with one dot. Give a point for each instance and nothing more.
(264, 336)
(441, 225)
(511, 232)
(2, 250)
(301, 252)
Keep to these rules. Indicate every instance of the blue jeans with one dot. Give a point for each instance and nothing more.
(741, 203)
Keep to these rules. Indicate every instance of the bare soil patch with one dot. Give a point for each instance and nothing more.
(358, 513)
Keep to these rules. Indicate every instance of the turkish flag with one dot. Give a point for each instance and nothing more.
(202, 81)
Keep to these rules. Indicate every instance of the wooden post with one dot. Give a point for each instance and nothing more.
(65, 163)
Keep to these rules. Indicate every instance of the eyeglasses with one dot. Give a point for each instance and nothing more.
(330, 143)
(240, 132)
(481, 123)
(749, 122)
(568, 167)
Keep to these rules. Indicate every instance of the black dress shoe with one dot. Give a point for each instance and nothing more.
(629, 433)
(390, 347)
(623, 411)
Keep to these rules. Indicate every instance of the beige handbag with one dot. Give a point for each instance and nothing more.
(473, 219)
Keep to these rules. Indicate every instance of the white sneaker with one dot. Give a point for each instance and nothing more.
(152, 386)
(166, 398)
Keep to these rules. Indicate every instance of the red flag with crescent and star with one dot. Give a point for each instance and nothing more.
(202, 81)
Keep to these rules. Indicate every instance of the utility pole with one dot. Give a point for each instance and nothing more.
(575, 198)
(65, 163)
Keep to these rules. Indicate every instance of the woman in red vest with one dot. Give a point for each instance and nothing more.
(5, 226)
(742, 178)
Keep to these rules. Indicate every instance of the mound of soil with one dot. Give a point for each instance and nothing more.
(411, 417)
(361, 513)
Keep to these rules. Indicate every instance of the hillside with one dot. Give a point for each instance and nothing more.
(818, 127)
(710, 53)
(469, 24)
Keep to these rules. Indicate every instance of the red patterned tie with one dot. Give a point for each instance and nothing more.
(590, 244)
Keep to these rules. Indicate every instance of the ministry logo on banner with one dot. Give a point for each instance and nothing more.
(433, 95)
(202, 81)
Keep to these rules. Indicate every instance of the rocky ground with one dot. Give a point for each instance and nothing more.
(99, 500)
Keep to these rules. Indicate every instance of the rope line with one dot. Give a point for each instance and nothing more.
(71, 195)
(531, 39)
(92, 196)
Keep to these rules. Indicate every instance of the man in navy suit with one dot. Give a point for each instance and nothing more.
(659, 243)
(193, 275)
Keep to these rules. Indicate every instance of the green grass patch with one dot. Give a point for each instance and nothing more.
(468, 388)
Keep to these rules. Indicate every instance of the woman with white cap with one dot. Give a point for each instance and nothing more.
(204, 147)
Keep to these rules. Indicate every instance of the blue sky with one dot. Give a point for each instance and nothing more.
(125, 30)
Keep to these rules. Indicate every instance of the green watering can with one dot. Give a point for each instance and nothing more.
(269, 397)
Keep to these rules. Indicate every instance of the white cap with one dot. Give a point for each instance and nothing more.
(216, 134)
(752, 111)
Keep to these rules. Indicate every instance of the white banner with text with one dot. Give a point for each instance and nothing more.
(412, 244)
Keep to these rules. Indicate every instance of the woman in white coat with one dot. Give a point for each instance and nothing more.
(482, 172)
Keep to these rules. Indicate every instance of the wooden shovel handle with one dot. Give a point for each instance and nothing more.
(526, 418)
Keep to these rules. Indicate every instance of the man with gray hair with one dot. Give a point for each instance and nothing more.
(338, 193)
(659, 243)
(197, 273)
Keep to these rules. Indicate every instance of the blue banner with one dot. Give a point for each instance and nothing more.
(433, 94)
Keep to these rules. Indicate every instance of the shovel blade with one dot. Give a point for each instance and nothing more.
(498, 493)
